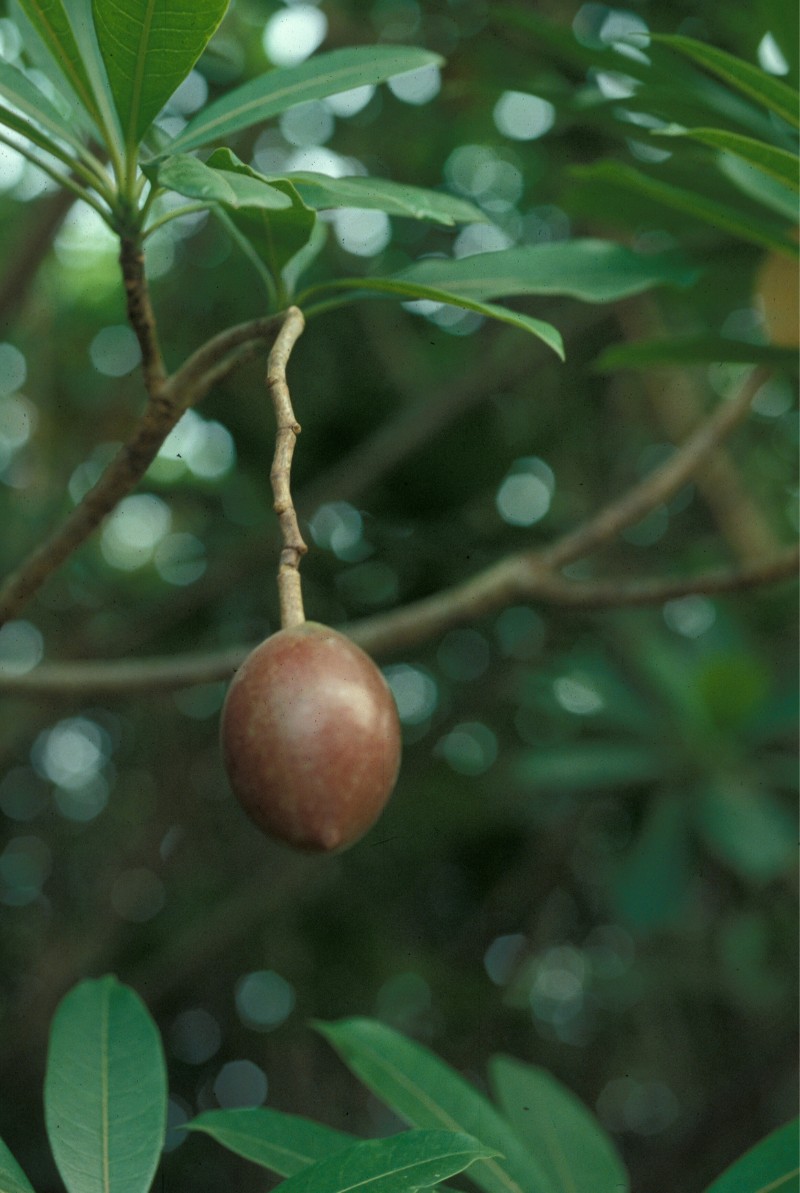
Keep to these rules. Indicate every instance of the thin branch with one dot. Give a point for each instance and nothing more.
(676, 401)
(661, 483)
(520, 577)
(214, 351)
(168, 398)
(294, 548)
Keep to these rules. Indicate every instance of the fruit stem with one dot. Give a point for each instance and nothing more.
(290, 593)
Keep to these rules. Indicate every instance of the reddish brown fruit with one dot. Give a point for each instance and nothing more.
(311, 738)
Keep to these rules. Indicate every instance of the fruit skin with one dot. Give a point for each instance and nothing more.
(311, 738)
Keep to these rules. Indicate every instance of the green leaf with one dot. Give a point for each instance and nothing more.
(750, 830)
(195, 180)
(34, 105)
(149, 47)
(758, 186)
(282, 88)
(284, 1143)
(776, 163)
(625, 180)
(775, 95)
(277, 235)
(590, 270)
(588, 766)
(651, 884)
(406, 289)
(82, 21)
(426, 1092)
(405, 1162)
(60, 36)
(49, 22)
(560, 1133)
(321, 192)
(105, 1090)
(12, 1178)
(693, 350)
(769, 1167)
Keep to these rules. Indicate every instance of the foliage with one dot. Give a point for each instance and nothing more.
(106, 1113)
(588, 862)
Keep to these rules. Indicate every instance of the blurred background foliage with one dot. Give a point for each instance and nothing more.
(589, 860)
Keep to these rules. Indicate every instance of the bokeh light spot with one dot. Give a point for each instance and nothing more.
(417, 86)
(13, 370)
(264, 999)
(361, 232)
(194, 1036)
(293, 34)
(415, 692)
(240, 1083)
(469, 748)
(115, 351)
(523, 117)
(133, 531)
(21, 647)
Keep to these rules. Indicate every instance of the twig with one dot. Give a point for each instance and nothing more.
(520, 577)
(675, 400)
(294, 548)
(168, 398)
(661, 483)
(214, 351)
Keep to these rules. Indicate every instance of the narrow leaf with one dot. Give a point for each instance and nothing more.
(284, 1143)
(758, 186)
(588, 766)
(149, 47)
(32, 103)
(20, 125)
(50, 24)
(591, 270)
(693, 350)
(105, 1090)
(777, 163)
(769, 1167)
(402, 288)
(561, 1134)
(12, 1178)
(321, 192)
(774, 94)
(625, 180)
(82, 21)
(282, 88)
(426, 1092)
(405, 1162)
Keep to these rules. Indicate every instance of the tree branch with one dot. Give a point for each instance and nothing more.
(661, 483)
(522, 577)
(168, 398)
(141, 316)
(676, 401)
